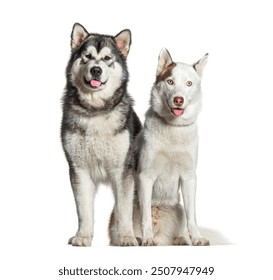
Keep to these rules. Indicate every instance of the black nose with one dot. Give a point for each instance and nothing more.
(96, 71)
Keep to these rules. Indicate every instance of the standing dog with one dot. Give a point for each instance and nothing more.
(167, 148)
(98, 128)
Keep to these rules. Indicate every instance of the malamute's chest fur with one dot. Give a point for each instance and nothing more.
(97, 143)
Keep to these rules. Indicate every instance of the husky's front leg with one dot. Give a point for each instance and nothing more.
(189, 192)
(123, 191)
(145, 189)
(183, 237)
(84, 192)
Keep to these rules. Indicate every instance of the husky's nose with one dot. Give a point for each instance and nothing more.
(178, 101)
(96, 71)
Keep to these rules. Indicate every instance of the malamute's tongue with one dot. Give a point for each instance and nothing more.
(95, 83)
(177, 112)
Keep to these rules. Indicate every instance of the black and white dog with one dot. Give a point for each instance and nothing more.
(98, 129)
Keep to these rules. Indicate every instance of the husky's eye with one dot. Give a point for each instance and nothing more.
(189, 83)
(88, 56)
(107, 57)
(170, 81)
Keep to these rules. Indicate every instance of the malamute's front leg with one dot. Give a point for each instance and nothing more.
(123, 191)
(84, 193)
(145, 196)
(189, 191)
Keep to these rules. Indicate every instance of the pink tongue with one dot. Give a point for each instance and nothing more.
(177, 112)
(95, 83)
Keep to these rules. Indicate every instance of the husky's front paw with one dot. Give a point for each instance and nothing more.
(80, 241)
(148, 242)
(181, 241)
(128, 241)
(200, 242)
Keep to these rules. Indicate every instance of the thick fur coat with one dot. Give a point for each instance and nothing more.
(98, 129)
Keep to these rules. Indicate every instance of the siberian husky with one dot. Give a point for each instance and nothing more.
(167, 148)
(98, 129)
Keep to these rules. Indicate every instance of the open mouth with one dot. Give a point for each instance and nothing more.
(177, 111)
(94, 83)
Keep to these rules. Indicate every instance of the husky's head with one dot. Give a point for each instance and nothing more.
(97, 68)
(176, 94)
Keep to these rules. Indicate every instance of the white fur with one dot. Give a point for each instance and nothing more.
(111, 76)
(84, 197)
(103, 163)
(168, 159)
(97, 130)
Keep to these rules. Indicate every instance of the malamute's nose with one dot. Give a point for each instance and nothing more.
(96, 71)
(178, 101)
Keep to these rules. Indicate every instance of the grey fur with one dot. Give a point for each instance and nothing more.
(98, 129)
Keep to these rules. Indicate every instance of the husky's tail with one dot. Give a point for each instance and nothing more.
(215, 237)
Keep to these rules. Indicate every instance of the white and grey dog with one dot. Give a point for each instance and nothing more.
(98, 129)
(167, 148)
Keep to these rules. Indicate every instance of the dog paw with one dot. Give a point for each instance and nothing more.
(148, 242)
(80, 241)
(128, 241)
(200, 242)
(180, 241)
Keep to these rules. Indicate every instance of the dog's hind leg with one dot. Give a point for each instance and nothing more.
(168, 226)
(84, 193)
(113, 230)
(137, 223)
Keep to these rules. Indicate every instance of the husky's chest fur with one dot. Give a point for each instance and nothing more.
(171, 151)
(174, 146)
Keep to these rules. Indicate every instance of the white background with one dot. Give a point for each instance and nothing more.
(235, 159)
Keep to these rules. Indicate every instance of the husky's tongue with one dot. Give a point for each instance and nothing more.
(95, 83)
(177, 112)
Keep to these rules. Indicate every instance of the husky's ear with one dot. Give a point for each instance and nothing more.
(164, 60)
(78, 35)
(123, 41)
(200, 65)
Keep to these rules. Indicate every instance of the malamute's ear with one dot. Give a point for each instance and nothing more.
(164, 60)
(200, 65)
(123, 41)
(78, 35)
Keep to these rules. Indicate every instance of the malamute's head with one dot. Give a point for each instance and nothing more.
(176, 94)
(97, 68)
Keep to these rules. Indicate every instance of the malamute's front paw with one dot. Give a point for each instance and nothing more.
(200, 242)
(148, 242)
(80, 241)
(181, 241)
(128, 241)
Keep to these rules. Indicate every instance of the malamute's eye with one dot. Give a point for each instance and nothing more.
(170, 81)
(89, 56)
(107, 57)
(189, 83)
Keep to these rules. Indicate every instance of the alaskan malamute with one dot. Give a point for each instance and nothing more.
(167, 148)
(98, 128)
